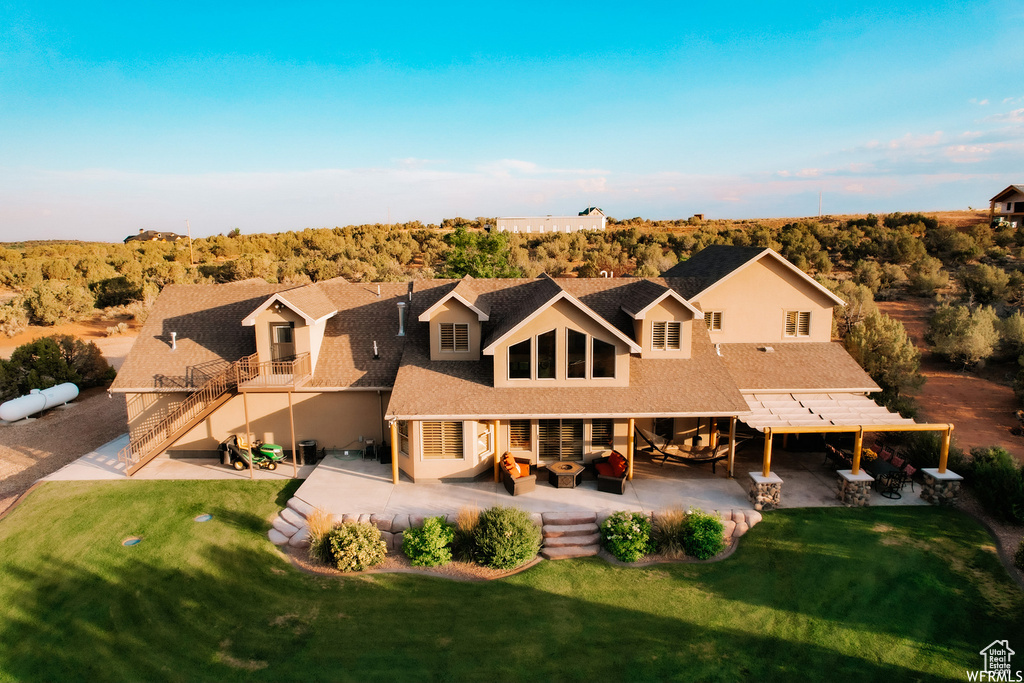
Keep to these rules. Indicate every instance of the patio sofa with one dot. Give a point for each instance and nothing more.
(611, 472)
(515, 475)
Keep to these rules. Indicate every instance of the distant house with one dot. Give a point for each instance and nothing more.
(591, 218)
(1008, 206)
(153, 236)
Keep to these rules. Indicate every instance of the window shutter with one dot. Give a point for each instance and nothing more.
(673, 334)
(461, 337)
(549, 432)
(791, 317)
(713, 320)
(447, 336)
(442, 439)
(601, 433)
(804, 327)
(658, 335)
(519, 435)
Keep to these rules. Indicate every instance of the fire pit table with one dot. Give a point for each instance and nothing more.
(564, 475)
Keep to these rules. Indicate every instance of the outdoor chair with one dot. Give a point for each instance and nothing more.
(892, 484)
(885, 454)
(910, 471)
(611, 472)
(518, 481)
(897, 461)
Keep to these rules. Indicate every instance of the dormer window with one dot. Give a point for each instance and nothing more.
(453, 336)
(665, 335)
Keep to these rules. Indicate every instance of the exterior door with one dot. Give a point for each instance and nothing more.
(282, 341)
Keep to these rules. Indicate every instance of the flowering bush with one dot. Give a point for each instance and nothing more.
(430, 544)
(868, 455)
(627, 535)
(354, 547)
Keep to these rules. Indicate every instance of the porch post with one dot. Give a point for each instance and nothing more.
(858, 443)
(394, 452)
(766, 469)
(629, 448)
(497, 447)
(291, 421)
(732, 444)
(944, 450)
(248, 434)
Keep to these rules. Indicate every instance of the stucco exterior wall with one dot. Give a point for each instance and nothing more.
(561, 316)
(285, 315)
(754, 302)
(334, 419)
(453, 311)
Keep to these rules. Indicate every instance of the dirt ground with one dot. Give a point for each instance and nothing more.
(980, 405)
(95, 330)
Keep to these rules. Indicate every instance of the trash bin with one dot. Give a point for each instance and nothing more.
(384, 453)
(307, 452)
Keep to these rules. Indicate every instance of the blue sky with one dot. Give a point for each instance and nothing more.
(272, 117)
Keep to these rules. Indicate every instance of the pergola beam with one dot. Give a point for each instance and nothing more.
(853, 429)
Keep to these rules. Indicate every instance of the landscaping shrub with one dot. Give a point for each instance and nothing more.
(13, 318)
(627, 535)
(922, 450)
(506, 538)
(464, 541)
(320, 523)
(355, 547)
(1018, 558)
(703, 535)
(667, 533)
(430, 544)
(998, 482)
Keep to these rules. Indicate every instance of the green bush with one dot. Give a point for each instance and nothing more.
(1018, 558)
(703, 535)
(627, 535)
(355, 547)
(49, 361)
(430, 544)
(506, 538)
(922, 450)
(998, 482)
(13, 317)
(667, 533)
(54, 303)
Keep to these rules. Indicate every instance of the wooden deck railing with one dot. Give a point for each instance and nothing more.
(246, 371)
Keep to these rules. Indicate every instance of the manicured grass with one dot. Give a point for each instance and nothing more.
(873, 594)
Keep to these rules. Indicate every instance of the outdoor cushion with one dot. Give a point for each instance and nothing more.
(618, 463)
(606, 470)
(512, 466)
(524, 469)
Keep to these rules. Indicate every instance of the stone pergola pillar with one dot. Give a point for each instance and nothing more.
(941, 488)
(854, 488)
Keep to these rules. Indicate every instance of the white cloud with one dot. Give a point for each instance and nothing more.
(1015, 116)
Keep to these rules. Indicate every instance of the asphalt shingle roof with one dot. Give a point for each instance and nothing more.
(711, 264)
(795, 366)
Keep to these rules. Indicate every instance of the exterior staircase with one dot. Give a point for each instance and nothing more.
(570, 534)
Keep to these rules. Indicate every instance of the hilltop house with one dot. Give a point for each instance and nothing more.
(452, 373)
(1008, 205)
(153, 236)
(591, 218)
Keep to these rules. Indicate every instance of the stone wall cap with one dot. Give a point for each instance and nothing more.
(948, 475)
(772, 478)
(848, 475)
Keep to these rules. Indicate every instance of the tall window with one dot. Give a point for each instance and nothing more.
(403, 436)
(601, 433)
(560, 440)
(442, 440)
(665, 335)
(546, 355)
(602, 359)
(798, 323)
(519, 360)
(519, 435)
(713, 320)
(576, 354)
(454, 336)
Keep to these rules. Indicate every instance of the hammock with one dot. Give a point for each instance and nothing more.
(684, 454)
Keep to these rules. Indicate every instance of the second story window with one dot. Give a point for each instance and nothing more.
(798, 323)
(602, 360)
(713, 320)
(454, 336)
(519, 360)
(576, 354)
(665, 335)
(546, 355)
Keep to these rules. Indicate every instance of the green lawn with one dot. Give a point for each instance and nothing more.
(872, 594)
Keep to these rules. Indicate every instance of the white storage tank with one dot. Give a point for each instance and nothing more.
(37, 401)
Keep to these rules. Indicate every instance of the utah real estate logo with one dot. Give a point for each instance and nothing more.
(996, 664)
